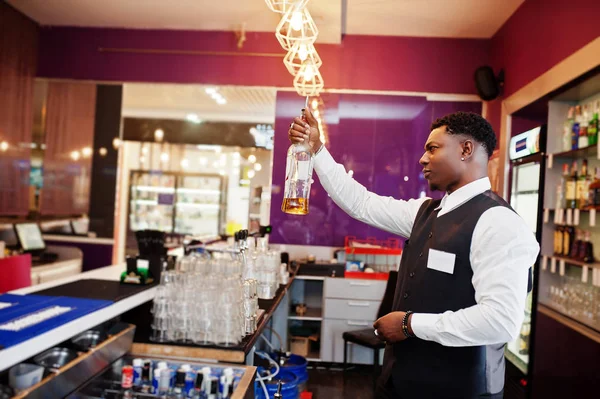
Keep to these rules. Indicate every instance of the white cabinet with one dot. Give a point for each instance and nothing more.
(332, 343)
(349, 304)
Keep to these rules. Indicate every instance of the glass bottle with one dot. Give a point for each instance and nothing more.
(582, 186)
(594, 192)
(567, 129)
(589, 249)
(593, 125)
(298, 178)
(575, 128)
(571, 188)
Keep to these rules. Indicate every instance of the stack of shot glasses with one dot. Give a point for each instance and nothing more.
(205, 301)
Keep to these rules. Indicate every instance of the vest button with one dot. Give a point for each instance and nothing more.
(430, 235)
(411, 275)
(405, 295)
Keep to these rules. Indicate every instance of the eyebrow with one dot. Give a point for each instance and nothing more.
(431, 143)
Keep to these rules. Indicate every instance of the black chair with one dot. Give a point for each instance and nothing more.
(367, 337)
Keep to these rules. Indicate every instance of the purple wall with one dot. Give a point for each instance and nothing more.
(360, 62)
(379, 137)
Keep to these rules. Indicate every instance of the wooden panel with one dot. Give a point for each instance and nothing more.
(18, 59)
(188, 353)
(69, 130)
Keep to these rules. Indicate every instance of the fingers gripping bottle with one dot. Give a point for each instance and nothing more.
(298, 177)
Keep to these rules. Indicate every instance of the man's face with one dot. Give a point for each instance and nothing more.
(441, 162)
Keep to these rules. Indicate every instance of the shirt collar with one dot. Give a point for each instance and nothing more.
(463, 194)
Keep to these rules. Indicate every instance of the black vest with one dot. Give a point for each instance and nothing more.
(425, 369)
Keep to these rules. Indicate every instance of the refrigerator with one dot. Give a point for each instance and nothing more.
(175, 202)
(526, 184)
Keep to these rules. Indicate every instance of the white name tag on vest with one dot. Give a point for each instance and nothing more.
(441, 261)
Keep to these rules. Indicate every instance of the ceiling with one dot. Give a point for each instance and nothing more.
(425, 18)
(172, 101)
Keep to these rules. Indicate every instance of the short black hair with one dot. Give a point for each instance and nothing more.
(470, 124)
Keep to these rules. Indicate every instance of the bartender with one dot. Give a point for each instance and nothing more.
(465, 270)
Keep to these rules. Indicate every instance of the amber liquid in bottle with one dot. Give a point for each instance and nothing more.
(295, 206)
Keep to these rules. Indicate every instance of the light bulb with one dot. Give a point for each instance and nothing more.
(116, 143)
(159, 135)
(315, 103)
(103, 151)
(251, 174)
(164, 157)
(252, 158)
(145, 150)
(3, 146)
(405, 178)
(75, 155)
(86, 152)
(185, 163)
(316, 113)
(296, 20)
(257, 167)
(303, 52)
(309, 73)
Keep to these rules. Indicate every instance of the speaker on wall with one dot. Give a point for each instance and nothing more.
(487, 83)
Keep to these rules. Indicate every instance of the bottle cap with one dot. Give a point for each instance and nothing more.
(138, 363)
(228, 372)
(186, 367)
(161, 365)
(180, 377)
(205, 370)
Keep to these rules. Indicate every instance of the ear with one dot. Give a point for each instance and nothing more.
(468, 148)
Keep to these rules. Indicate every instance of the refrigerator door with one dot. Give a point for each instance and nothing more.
(199, 205)
(151, 204)
(525, 201)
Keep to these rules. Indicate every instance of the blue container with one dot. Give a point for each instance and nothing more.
(297, 365)
(289, 386)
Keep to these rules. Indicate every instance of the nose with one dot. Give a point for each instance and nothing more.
(424, 159)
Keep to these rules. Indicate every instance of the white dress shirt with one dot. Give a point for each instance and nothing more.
(503, 248)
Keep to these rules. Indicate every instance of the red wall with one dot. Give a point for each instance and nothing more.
(360, 62)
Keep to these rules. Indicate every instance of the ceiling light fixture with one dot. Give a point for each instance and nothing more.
(252, 158)
(308, 81)
(300, 54)
(251, 174)
(282, 6)
(102, 151)
(296, 26)
(257, 167)
(159, 135)
(164, 157)
(194, 118)
(75, 155)
(3, 146)
(185, 163)
(86, 152)
(116, 143)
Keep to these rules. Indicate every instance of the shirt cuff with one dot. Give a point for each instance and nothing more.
(424, 325)
(324, 162)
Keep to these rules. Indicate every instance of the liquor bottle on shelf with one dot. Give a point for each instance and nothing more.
(568, 238)
(524, 339)
(575, 129)
(571, 188)
(177, 391)
(594, 191)
(558, 240)
(582, 186)
(568, 130)
(583, 128)
(592, 129)
(576, 244)
(589, 248)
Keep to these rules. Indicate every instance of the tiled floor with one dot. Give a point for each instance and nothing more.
(332, 383)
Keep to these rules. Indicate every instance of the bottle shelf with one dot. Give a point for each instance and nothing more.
(574, 262)
(585, 152)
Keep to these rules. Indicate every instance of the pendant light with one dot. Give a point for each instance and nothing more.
(299, 54)
(282, 6)
(296, 26)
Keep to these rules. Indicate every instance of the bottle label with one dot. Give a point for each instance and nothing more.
(303, 170)
(570, 190)
(581, 192)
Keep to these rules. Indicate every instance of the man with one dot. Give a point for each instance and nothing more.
(465, 269)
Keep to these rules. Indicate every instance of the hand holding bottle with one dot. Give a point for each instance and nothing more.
(306, 131)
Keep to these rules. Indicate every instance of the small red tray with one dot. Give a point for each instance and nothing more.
(367, 276)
